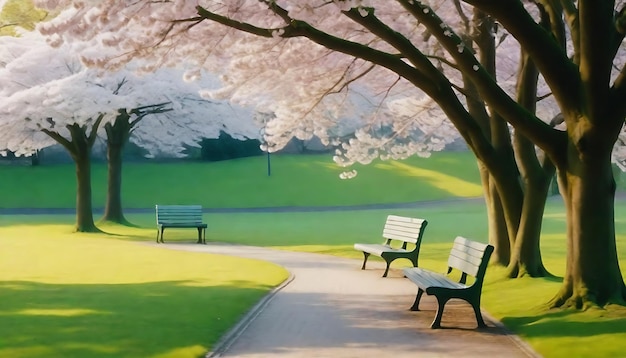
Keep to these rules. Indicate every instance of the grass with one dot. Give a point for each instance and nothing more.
(70, 295)
(517, 303)
(310, 180)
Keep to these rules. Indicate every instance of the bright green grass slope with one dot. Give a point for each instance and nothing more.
(304, 180)
(79, 295)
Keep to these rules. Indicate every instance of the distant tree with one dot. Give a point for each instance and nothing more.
(46, 90)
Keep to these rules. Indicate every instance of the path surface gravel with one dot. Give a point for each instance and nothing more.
(331, 308)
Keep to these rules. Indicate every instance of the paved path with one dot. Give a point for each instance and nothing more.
(331, 308)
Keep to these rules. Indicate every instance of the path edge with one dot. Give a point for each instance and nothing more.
(227, 340)
(517, 340)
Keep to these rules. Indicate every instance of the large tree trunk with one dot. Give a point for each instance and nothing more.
(592, 274)
(117, 136)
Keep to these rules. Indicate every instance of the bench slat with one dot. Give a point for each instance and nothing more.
(424, 279)
(401, 225)
(409, 231)
(402, 238)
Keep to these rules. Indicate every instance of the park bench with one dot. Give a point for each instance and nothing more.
(180, 216)
(398, 232)
(470, 258)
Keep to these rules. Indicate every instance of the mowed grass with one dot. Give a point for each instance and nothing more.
(90, 295)
(305, 180)
(520, 304)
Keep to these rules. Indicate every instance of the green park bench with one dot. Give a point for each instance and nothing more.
(470, 258)
(180, 216)
(398, 232)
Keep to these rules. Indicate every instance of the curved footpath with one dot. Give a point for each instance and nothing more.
(329, 307)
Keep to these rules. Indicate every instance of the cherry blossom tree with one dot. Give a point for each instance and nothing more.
(39, 110)
(182, 120)
(408, 48)
(48, 91)
(404, 121)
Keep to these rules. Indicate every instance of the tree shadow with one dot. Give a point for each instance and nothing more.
(119, 320)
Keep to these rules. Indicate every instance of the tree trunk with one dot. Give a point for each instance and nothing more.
(535, 176)
(526, 252)
(80, 150)
(117, 136)
(592, 274)
(113, 207)
(497, 230)
(79, 146)
(84, 213)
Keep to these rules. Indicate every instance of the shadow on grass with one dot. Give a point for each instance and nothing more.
(564, 323)
(178, 318)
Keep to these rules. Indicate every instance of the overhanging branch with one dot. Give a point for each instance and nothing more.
(557, 69)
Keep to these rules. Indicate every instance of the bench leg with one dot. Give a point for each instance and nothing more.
(157, 239)
(162, 229)
(441, 302)
(416, 304)
(365, 256)
(199, 236)
(479, 316)
(387, 269)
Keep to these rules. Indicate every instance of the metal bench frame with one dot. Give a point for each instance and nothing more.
(397, 232)
(471, 259)
(180, 216)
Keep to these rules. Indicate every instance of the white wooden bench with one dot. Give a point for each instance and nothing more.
(470, 258)
(180, 216)
(399, 232)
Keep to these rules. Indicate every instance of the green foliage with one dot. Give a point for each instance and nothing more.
(20, 13)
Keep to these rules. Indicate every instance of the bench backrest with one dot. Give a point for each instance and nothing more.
(409, 230)
(469, 257)
(178, 214)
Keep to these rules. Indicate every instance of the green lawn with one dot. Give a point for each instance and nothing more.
(295, 181)
(79, 295)
(67, 282)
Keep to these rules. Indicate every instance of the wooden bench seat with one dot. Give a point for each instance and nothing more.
(398, 232)
(180, 216)
(470, 258)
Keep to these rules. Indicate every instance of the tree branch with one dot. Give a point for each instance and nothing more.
(93, 134)
(302, 29)
(493, 94)
(59, 139)
(551, 59)
(143, 111)
(399, 42)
